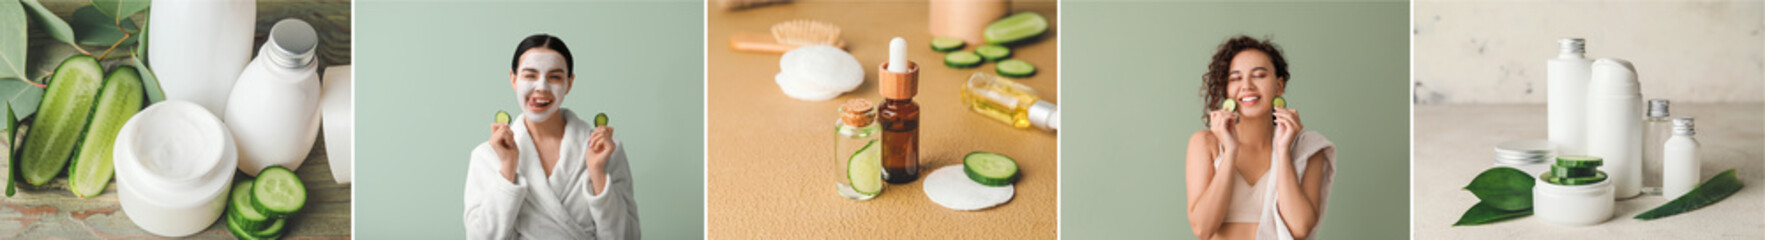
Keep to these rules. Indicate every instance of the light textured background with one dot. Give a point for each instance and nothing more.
(1495, 51)
(1132, 72)
(430, 75)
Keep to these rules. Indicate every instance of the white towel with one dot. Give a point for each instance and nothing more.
(1308, 144)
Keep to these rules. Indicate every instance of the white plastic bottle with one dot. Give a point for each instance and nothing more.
(1614, 124)
(1656, 127)
(274, 110)
(1681, 172)
(199, 47)
(1566, 82)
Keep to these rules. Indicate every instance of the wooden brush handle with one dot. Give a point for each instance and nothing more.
(762, 43)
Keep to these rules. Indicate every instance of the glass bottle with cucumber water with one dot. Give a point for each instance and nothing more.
(857, 151)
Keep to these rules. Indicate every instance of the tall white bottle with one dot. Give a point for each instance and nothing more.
(274, 110)
(1681, 170)
(199, 47)
(1614, 124)
(1566, 82)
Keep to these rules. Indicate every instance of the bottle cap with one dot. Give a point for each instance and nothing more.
(1684, 126)
(1571, 46)
(291, 44)
(1045, 115)
(1658, 108)
(898, 86)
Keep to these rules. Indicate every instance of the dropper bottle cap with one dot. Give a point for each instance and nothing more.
(1045, 115)
(896, 81)
(1658, 108)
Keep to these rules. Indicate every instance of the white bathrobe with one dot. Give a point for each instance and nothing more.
(561, 206)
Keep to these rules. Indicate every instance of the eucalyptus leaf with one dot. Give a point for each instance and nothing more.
(56, 27)
(96, 29)
(141, 39)
(149, 83)
(22, 97)
(120, 9)
(13, 37)
(1503, 188)
(1483, 213)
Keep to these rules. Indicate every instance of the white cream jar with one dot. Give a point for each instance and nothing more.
(174, 164)
(1572, 205)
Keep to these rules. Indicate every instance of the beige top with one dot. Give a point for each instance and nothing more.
(1245, 205)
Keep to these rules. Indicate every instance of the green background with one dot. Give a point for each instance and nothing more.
(1130, 80)
(430, 75)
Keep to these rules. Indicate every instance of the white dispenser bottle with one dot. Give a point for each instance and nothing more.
(1566, 82)
(1614, 124)
(1681, 170)
(199, 47)
(274, 110)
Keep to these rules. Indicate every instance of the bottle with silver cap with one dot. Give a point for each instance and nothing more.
(1566, 82)
(1681, 160)
(1009, 102)
(274, 108)
(1614, 123)
(1656, 128)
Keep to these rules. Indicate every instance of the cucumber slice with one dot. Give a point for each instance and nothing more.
(503, 117)
(1280, 102)
(1013, 68)
(600, 119)
(11, 161)
(993, 53)
(241, 207)
(1572, 181)
(278, 192)
(962, 60)
(1015, 28)
(1561, 171)
(239, 231)
(273, 231)
(1717, 188)
(1579, 161)
(946, 44)
(864, 169)
(61, 118)
(1229, 105)
(92, 167)
(991, 169)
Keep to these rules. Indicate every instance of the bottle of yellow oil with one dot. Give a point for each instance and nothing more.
(1009, 102)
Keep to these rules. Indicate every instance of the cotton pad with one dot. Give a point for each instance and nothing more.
(817, 71)
(949, 187)
(788, 83)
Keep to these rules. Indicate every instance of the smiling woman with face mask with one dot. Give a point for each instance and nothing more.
(548, 174)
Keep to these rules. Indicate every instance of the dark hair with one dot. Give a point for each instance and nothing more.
(544, 41)
(1213, 83)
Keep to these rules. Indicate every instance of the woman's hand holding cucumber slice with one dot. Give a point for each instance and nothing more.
(1220, 123)
(503, 141)
(1287, 129)
(600, 147)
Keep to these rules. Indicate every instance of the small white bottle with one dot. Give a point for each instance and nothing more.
(1614, 124)
(199, 47)
(1656, 128)
(1566, 84)
(274, 108)
(1681, 172)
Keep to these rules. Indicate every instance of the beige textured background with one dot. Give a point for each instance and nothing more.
(770, 168)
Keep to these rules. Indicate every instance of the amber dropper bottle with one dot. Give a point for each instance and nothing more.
(899, 116)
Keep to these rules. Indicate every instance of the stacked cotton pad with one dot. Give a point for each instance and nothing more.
(817, 73)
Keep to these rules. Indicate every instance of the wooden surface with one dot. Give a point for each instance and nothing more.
(771, 170)
(1454, 143)
(51, 211)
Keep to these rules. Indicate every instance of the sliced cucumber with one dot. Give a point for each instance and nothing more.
(962, 60)
(991, 169)
(864, 169)
(1280, 102)
(92, 167)
(1568, 172)
(1013, 68)
(1578, 161)
(1717, 188)
(240, 232)
(993, 53)
(1015, 28)
(278, 192)
(503, 117)
(946, 44)
(600, 119)
(1229, 105)
(61, 118)
(273, 231)
(241, 207)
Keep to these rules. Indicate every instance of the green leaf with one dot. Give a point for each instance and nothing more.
(22, 97)
(1503, 188)
(96, 29)
(141, 39)
(149, 83)
(56, 27)
(120, 9)
(1717, 188)
(1483, 213)
(11, 162)
(12, 40)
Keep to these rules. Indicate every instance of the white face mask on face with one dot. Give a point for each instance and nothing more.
(527, 88)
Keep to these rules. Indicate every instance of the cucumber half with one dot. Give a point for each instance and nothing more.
(92, 168)
(278, 192)
(991, 169)
(249, 217)
(503, 117)
(61, 118)
(962, 60)
(1015, 28)
(864, 169)
(946, 44)
(993, 53)
(600, 119)
(1014, 68)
